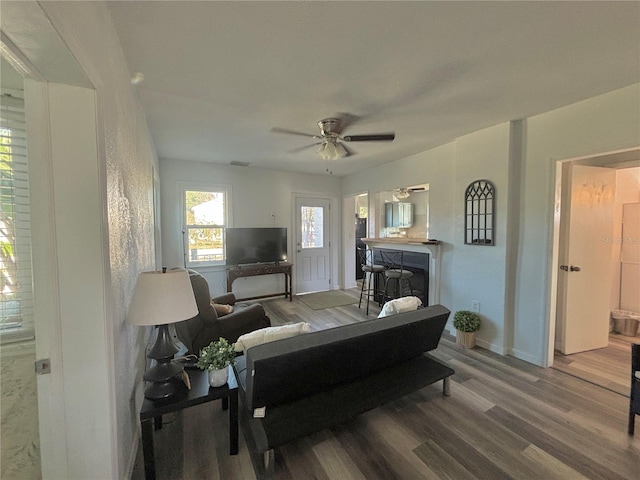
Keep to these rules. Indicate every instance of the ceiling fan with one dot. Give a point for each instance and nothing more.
(405, 192)
(331, 138)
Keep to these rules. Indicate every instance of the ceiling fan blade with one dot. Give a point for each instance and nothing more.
(372, 137)
(300, 149)
(350, 151)
(293, 132)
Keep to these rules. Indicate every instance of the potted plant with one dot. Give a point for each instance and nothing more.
(466, 323)
(215, 358)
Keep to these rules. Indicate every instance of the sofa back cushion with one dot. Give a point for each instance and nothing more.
(293, 368)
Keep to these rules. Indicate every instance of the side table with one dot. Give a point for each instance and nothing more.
(200, 392)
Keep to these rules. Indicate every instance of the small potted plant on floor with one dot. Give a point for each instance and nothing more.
(215, 358)
(466, 323)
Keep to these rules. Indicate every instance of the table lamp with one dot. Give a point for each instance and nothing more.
(159, 299)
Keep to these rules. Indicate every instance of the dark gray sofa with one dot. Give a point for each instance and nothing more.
(293, 387)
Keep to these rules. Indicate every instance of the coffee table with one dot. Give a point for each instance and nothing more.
(200, 392)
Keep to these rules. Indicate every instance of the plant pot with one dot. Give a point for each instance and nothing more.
(466, 339)
(218, 378)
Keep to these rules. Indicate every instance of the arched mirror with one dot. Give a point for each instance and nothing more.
(479, 213)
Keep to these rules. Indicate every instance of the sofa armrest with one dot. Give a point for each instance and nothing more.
(243, 320)
(225, 299)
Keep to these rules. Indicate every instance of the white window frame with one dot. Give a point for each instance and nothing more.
(184, 187)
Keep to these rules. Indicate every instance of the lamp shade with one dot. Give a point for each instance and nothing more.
(162, 298)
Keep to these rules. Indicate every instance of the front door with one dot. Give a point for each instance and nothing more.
(584, 279)
(313, 247)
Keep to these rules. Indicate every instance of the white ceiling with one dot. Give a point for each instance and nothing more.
(219, 75)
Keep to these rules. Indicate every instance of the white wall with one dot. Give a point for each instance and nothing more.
(255, 195)
(468, 272)
(102, 220)
(601, 124)
(478, 272)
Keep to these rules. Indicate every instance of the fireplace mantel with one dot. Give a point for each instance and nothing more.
(432, 247)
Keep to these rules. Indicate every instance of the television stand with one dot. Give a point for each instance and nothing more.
(262, 269)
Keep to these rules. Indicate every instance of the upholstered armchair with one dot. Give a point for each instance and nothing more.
(208, 325)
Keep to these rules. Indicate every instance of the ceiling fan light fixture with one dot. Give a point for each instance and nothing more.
(331, 150)
(403, 193)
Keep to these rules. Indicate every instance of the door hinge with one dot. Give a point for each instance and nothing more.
(43, 366)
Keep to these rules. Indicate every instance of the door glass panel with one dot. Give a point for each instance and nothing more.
(312, 227)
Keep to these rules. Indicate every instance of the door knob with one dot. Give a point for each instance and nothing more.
(574, 269)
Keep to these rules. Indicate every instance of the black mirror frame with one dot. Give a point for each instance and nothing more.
(479, 213)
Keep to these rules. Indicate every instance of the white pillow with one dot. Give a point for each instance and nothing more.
(269, 334)
(400, 305)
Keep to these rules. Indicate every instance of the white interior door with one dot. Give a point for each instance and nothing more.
(584, 283)
(313, 246)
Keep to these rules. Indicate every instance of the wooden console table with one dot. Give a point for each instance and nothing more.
(262, 269)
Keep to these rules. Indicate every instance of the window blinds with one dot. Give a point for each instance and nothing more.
(16, 302)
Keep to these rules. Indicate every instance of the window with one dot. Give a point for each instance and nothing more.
(16, 302)
(205, 220)
(312, 224)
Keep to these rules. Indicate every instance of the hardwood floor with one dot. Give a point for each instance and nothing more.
(505, 419)
(607, 367)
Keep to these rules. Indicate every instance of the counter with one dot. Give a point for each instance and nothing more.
(409, 244)
(402, 240)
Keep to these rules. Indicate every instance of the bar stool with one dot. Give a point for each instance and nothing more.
(373, 275)
(393, 263)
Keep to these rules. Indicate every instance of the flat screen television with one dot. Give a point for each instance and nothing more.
(256, 245)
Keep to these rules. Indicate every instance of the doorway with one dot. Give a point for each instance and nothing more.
(607, 364)
(313, 245)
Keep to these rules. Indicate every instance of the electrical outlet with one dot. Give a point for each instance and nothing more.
(475, 306)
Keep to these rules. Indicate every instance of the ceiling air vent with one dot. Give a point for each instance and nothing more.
(240, 164)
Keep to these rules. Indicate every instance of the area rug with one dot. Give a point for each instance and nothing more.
(328, 299)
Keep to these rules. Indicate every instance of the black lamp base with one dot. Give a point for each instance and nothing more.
(159, 392)
(166, 375)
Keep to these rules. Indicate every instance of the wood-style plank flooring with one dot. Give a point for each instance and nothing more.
(505, 419)
(607, 367)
